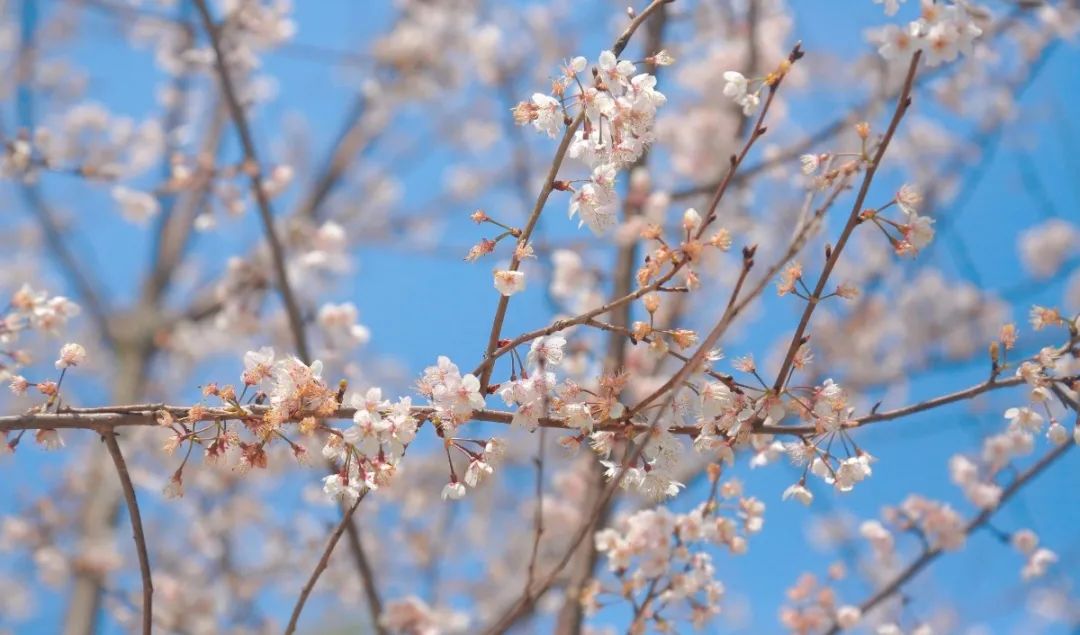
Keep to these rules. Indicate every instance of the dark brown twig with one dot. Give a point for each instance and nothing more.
(902, 105)
(136, 530)
(324, 561)
(930, 555)
(254, 169)
(549, 185)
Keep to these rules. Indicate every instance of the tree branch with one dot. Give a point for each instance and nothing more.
(367, 575)
(545, 192)
(254, 170)
(324, 561)
(902, 105)
(104, 418)
(136, 528)
(978, 521)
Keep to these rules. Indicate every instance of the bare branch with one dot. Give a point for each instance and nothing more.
(367, 575)
(902, 105)
(254, 168)
(324, 561)
(978, 521)
(136, 528)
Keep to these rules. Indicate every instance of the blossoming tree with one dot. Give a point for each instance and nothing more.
(662, 414)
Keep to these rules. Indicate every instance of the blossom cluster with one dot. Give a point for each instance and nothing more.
(533, 392)
(660, 561)
(728, 415)
(296, 390)
(976, 477)
(37, 310)
(938, 523)
(654, 478)
(33, 310)
(618, 109)
(814, 605)
(454, 396)
(1037, 559)
(943, 31)
(369, 450)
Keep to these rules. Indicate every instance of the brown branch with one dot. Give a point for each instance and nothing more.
(571, 615)
(367, 575)
(538, 516)
(545, 192)
(902, 105)
(929, 404)
(732, 309)
(523, 239)
(710, 216)
(532, 594)
(324, 561)
(834, 127)
(254, 169)
(105, 418)
(978, 521)
(136, 528)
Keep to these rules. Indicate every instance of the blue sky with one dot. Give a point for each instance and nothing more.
(421, 307)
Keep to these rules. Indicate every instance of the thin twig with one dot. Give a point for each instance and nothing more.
(978, 521)
(902, 105)
(538, 515)
(254, 169)
(324, 561)
(367, 575)
(545, 193)
(136, 530)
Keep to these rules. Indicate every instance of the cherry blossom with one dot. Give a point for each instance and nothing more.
(71, 354)
(594, 421)
(509, 282)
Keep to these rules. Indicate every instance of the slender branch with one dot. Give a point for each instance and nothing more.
(532, 594)
(136, 529)
(834, 127)
(929, 404)
(254, 169)
(484, 369)
(545, 193)
(526, 233)
(902, 105)
(324, 561)
(538, 515)
(978, 521)
(732, 309)
(367, 575)
(106, 418)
